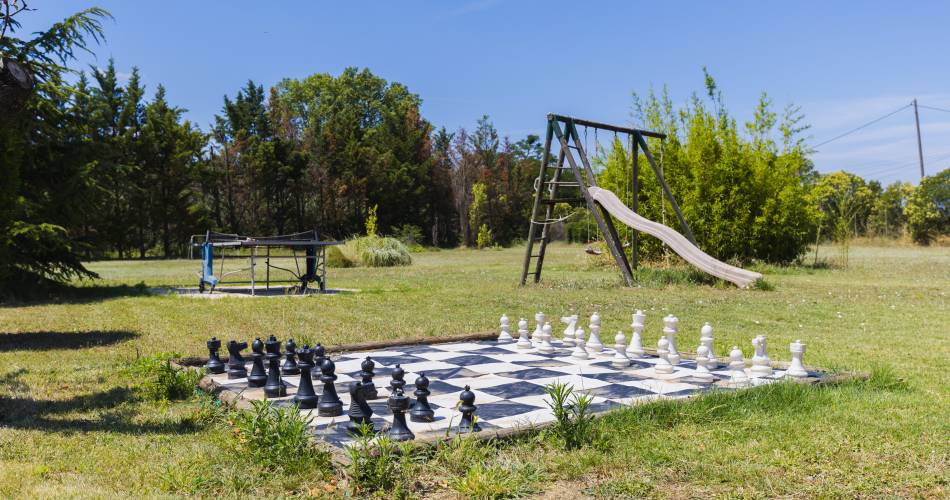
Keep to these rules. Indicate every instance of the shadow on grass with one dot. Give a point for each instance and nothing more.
(32, 291)
(48, 341)
(111, 414)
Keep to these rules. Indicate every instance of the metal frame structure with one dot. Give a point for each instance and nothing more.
(314, 255)
(551, 190)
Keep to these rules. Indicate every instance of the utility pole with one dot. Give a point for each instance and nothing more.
(920, 149)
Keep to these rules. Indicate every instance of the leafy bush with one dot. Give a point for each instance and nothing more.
(928, 208)
(376, 251)
(409, 234)
(574, 424)
(336, 258)
(484, 238)
(160, 381)
(371, 221)
(277, 438)
(383, 466)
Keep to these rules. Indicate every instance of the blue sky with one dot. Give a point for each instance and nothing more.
(845, 63)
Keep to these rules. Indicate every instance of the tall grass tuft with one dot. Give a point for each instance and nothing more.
(383, 466)
(573, 421)
(277, 438)
(158, 380)
(377, 251)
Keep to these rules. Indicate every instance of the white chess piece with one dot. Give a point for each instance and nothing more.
(546, 347)
(670, 328)
(635, 350)
(761, 364)
(663, 366)
(737, 368)
(594, 344)
(796, 369)
(536, 334)
(580, 348)
(523, 341)
(706, 339)
(702, 365)
(620, 353)
(504, 330)
(571, 322)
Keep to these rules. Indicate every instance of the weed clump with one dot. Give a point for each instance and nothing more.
(160, 381)
(277, 438)
(381, 467)
(574, 423)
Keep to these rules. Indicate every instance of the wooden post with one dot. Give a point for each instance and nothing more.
(634, 252)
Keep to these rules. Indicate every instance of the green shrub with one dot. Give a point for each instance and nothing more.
(380, 466)
(376, 251)
(336, 258)
(277, 438)
(409, 234)
(574, 424)
(484, 238)
(928, 208)
(160, 381)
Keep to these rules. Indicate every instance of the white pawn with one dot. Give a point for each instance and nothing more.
(593, 343)
(523, 341)
(571, 322)
(620, 354)
(663, 366)
(546, 347)
(761, 364)
(635, 350)
(797, 369)
(504, 329)
(702, 365)
(536, 334)
(580, 349)
(737, 368)
(670, 328)
(706, 339)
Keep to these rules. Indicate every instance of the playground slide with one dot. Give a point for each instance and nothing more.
(673, 239)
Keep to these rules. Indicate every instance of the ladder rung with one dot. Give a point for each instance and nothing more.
(535, 256)
(566, 184)
(563, 200)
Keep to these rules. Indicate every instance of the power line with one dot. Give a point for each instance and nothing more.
(872, 122)
(933, 108)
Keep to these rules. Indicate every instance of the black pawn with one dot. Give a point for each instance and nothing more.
(319, 355)
(421, 411)
(306, 398)
(330, 404)
(369, 388)
(398, 404)
(290, 363)
(236, 367)
(399, 380)
(272, 346)
(359, 411)
(214, 362)
(258, 376)
(275, 387)
(468, 424)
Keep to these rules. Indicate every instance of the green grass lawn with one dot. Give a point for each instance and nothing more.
(73, 421)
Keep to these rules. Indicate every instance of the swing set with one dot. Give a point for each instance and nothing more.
(581, 189)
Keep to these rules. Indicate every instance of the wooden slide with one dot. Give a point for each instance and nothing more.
(673, 239)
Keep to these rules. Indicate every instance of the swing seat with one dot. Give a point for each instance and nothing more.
(593, 251)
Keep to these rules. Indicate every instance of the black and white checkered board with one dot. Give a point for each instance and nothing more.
(508, 382)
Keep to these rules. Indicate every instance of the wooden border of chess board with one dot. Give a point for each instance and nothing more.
(235, 400)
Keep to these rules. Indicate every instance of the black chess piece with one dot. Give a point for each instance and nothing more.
(236, 362)
(258, 376)
(369, 388)
(468, 423)
(359, 411)
(306, 398)
(214, 364)
(421, 411)
(398, 404)
(272, 346)
(319, 355)
(301, 362)
(399, 380)
(290, 362)
(275, 387)
(330, 404)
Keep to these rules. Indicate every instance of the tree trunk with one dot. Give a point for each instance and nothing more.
(16, 83)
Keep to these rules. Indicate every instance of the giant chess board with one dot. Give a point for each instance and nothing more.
(508, 382)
